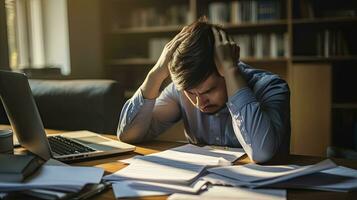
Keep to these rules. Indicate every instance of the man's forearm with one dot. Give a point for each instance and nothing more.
(150, 88)
(234, 80)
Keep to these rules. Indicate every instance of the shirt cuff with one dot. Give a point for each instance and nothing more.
(240, 99)
(139, 99)
(138, 102)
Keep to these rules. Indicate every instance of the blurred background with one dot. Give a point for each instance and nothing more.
(310, 43)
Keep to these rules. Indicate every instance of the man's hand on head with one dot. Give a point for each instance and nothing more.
(226, 52)
(161, 66)
(150, 88)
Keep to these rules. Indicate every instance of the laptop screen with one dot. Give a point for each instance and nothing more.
(21, 109)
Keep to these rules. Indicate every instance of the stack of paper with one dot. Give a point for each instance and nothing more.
(178, 165)
(125, 189)
(208, 156)
(322, 176)
(253, 175)
(170, 171)
(339, 179)
(158, 170)
(57, 178)
(230, 193)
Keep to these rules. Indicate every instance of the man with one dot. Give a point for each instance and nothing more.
(221, 100)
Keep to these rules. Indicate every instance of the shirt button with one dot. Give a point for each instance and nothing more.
(217, 138)
(217, 115)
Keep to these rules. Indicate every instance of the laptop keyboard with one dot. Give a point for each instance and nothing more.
(65, 146)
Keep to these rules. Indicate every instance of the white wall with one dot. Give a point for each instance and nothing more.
(56, 36)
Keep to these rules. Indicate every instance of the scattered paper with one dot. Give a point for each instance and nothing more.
(61, 178)
(256, 175)
(177, 165)
(230, 193)
(339, 179)
(132, 188)
(169, 171)
(207, 155)
(158, 170)
(130, 160)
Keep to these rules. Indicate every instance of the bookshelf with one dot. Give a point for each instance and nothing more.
(278, 35)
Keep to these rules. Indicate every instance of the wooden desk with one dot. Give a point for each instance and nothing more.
(110, 165)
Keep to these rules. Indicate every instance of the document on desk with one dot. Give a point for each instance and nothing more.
(61, 178)
(338, 179)
(258, 175)
(132, 188)
(158, 169)
(178, 165)
(233, 193)
(207, 155)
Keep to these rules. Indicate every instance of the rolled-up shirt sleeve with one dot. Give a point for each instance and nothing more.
(261, 116)
(143, 119)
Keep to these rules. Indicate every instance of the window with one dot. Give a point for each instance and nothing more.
(38, 34)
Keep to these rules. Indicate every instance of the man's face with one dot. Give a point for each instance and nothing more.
(209, 96)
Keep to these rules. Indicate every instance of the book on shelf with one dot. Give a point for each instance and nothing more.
(236, 17)
(156, 45)
(266, 46)
(263, 45)
(268, 10)
(218, 12)
(154, 16)
(306, 9)
(244, 43)
(253, 11)
(331, 43)
(258, 49)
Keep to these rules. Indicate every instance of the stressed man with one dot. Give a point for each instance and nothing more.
(221, 100)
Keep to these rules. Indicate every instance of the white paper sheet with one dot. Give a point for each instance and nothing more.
(129, 189)
(122, 189)
(207, 155)
(158, 170)
(339, 179)
(253, 172)
(62, 178)
(256, 176)
(178, 165)
(230, 193)
(130, 160)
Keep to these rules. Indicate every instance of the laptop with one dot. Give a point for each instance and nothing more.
(25, 120)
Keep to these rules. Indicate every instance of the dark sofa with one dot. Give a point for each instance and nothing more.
(93, 105)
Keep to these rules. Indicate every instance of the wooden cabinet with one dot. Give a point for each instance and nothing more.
(310, 86)
(315, 37)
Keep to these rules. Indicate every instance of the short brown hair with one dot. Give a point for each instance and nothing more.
(193, 60)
